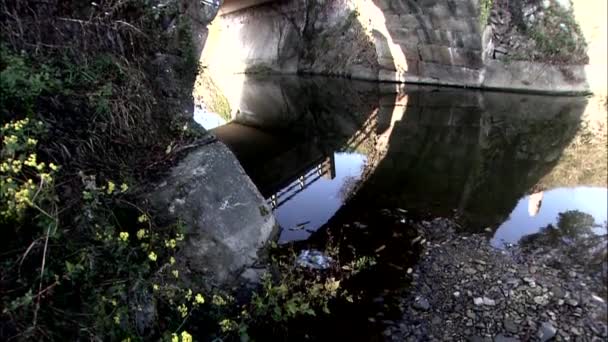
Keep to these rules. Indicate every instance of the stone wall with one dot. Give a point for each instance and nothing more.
(424, 41)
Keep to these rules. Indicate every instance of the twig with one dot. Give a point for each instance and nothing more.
(27, 252)
(46, 243)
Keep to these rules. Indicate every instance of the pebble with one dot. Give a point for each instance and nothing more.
(456, 294)
(478, 301)
(510, 326)
(421, 303)
(503, 338)
(546, 332)
(488, 301)
(541, 300)
(470, 270)
(572, 302)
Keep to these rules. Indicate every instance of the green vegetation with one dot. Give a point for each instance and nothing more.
(81, 132)
(555, 37)
(85, 123)
(207, 92)
(559, 37)
(485, 9)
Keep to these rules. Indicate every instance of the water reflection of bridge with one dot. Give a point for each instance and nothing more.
(279, 166)
(325, 169)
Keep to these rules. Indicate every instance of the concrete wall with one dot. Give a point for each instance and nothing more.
(424, 41)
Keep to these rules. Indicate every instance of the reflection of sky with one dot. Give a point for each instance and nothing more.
(589, 200)
(320, 201)
(208, 120)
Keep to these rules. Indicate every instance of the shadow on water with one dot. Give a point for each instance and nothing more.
(354, 164)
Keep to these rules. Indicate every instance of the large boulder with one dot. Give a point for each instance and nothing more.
(227, 220)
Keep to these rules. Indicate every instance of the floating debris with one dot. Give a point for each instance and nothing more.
(314, 259)
(300, 226)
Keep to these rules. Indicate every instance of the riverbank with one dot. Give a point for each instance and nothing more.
(464, 289)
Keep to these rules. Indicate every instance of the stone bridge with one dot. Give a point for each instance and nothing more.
(446, 42)
(230, 6)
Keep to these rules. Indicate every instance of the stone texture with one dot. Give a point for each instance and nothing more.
(431, 41)
(226, 218)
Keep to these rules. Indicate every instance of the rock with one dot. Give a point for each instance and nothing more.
(531, 282)
(421, 303)
(470, 271)
(227, 220)
(541, 300)
(572, 302)
(488, 301)
(478, 301)
(510, 326)
(456, 294)
(253, 275)
(503, 338)
(558, 292)
(546, 332)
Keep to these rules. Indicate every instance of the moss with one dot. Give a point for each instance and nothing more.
(259, 69)
(207, 92)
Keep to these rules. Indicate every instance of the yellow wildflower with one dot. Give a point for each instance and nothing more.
(117, 319)
(171, 243)
(124, 236)
(141, 234)
(155, 287)
(174, 338)
(124, 187)
(53, 167)
(199, 299)
(172, 260)
(152, 256)
(186, 337)
(31, 160)
(111, 187)
(31, 141)
(183, 310)
(142, 218)
(175, 273)
(189, 294)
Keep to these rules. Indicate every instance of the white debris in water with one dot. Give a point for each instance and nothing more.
(314, 259)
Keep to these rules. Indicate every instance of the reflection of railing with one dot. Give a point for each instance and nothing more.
(365, 133)
(325, 169)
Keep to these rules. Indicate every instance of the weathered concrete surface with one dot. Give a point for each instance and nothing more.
(226, 218)
(427, 41)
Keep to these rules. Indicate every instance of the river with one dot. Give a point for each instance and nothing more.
(332, 155)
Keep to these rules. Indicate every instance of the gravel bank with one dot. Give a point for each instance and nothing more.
(464, 289)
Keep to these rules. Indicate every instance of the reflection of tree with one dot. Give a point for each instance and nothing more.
(349, 186)
(572, 227)
(572, 244)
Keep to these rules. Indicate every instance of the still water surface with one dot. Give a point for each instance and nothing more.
(507, 164)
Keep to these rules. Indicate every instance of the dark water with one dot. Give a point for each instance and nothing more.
(500, 163)
(355, 163)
